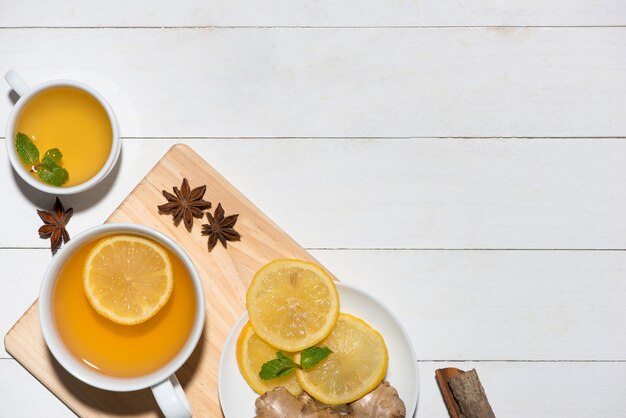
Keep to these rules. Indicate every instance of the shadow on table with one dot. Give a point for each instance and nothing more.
(13, 97)
(79, 201)
(138, 402)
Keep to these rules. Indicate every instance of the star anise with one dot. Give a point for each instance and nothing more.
(185, 204)
(220, 228)
(54, 224)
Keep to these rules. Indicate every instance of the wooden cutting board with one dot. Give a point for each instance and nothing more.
(225, 274)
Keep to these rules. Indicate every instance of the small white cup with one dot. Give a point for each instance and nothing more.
(163, 382)
(26, 94)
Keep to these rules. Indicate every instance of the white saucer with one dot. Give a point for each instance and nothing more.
(237, 398)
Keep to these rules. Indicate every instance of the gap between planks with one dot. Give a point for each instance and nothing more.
(152, 27)
(364, 138)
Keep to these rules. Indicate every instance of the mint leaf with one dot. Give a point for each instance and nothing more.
(27, 151)
(54, 154)
(313, 355)
(50, 171)
(47, 163)
(278, 367)
(52, 174)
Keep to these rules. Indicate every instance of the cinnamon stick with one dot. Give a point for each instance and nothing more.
(442, 376)
(463, 393)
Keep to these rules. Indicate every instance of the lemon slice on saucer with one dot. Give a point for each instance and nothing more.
(252, 352)
(292, 304)
(357, 364)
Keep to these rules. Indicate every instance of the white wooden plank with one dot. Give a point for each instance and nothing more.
(516, 390)
(21, 395)
(388, 82)
(22, 271)
(312, 13)
(498, 305)
(538, 390)
(418, 193)
(463, 305)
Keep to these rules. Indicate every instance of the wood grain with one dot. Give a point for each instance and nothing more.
(386, 82)
(601, 394)
(438, 193)
(313, 13)
(502, 305)
(225, 276)
(430, 193)
(537, 390)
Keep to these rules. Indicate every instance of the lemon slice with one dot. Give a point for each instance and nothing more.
(292, 304)
(128, 278)
(252, 352)
(356, 366)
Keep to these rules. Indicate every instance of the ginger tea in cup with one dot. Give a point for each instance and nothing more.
(121, 308)
(74, 122)
(62, 136)
(95, 336)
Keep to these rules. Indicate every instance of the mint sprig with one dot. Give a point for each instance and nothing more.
(283, 365)
(49, 169)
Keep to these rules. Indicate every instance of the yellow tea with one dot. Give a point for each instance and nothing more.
(114, 349)
(73, 121)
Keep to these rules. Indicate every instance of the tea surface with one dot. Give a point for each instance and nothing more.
(114, 349)
(73, 121)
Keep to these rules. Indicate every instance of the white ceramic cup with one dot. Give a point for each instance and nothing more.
(26, 94)
(163, 382)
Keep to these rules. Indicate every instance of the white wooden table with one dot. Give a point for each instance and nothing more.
(463, 160)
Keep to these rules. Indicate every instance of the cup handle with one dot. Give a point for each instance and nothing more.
(171, 398)
(16, 82)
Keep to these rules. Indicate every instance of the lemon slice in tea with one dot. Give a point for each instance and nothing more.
(128, 279)
(292, 304)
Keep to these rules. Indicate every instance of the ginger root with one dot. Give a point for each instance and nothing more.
(382, 402)
(279, 403)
